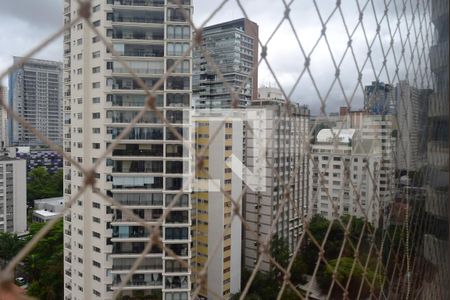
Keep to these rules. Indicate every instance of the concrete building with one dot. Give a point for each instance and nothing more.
(3, 118)
(379, 99)
(217, 237)
(47, 209)
(13, 195)
(287, 154)
(412, 113)
(436, 239)
(146, 169)
(233, 46)
(353, 171)
(35, 94)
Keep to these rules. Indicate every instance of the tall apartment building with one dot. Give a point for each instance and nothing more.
(436, 243)
(217, 237)
(287, 153)
(147, 168)
(13, 195)
(233, 47)
(353, 171)
(412, 113)
(379, 99)
(3, 118)
(35, 94)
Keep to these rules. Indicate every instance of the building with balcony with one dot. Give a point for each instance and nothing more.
(3, 118)
(147, 168)
(436, 238)
(286, 131)
(35, 94)
(353, 171)
(13, 195)
(233, 47)
(217, 236)
(412, 114)
(379, 99)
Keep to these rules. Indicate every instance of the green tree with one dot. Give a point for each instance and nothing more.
(41, 184)
(10, 245)
(279, 250)
(44, 264)
(349, 268)
(298, 271)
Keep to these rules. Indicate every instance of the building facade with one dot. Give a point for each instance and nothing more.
(412, 114)
(35, 94)
(148, 167)
(3, 118)
(379, 99)
(13, 195)
(354, 170)
(217, 236)
(233, 48)
(436, 243)
(286, 171)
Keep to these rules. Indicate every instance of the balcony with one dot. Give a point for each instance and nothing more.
(438, 105)
(139, 199)
(438, 153)
(176, 233)
(148, 215)
(137, 166)
(137, 182)
(178, 100)
(133, 248)
(435, 250)
(138, 133)
(136, 150)
(141, 51)
(132, 100)
(146, 17)
(139, 280)
(176, 282)
(157, 3)
(439, 56)
(125, 232)
(181, 201)
(178, 217)
(181, 250)
(127, 116)
(130, 84)
(436, 202)
(125, 264)
(138, 34)
(177, 167)
(439, 10)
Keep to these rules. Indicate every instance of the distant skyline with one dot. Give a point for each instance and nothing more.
(23, 29)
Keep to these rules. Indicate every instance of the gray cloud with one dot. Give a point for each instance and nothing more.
(25, 23)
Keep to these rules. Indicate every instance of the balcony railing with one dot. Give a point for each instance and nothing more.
(157, 3)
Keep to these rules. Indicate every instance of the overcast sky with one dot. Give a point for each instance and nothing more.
(25, 23)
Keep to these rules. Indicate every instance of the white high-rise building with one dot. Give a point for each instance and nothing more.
(353, 171)
(147, 168)
(287, 133)
(13, 195)
(35, 94)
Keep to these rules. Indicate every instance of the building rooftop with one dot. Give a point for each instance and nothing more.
(45, 213)
(327, 135)
(54, 201)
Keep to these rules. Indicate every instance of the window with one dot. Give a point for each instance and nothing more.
(96, 293)
(96, 85)
(96, 100)
(96, 8)
(95, 234)
(96, 130)
(79, 56)
(96, 115)
(80, 26)
(96, 146)
(96, 249)
(95, 39)
(96, 23)
(79, 42)
(96, 54)
(95, 205)
(96, 264)
(96, 70)
(96, 220)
